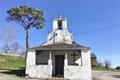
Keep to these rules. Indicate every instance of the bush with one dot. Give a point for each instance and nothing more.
(118, 68)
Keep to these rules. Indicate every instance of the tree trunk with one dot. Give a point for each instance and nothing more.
(27, 42)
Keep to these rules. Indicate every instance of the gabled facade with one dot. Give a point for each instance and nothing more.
(60, 56)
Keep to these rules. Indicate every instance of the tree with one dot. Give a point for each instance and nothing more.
(7, 35)
(15, 47)
(28, 17)
(100, 63)
(118, 68)
(107, 64)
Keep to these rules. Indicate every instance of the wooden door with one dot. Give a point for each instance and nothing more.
(59, 65)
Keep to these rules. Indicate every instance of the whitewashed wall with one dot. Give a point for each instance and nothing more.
(82, 72)
(37, 71)
(40, 71)
(63, 36)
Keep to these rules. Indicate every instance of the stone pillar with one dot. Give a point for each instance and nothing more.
(31, 58)
(66, 60)
(50, 58)
(31, 61)
(50, 65)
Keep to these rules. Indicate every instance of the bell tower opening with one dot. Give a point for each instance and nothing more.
(59, 24)
(60, 33)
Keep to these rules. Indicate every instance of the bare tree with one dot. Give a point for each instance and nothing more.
(107, 64)
(7, 35)
(16, 46)
(100, 63)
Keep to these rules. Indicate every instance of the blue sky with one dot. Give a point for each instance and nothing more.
(95, 23)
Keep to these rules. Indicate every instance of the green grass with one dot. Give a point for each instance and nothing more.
(102, 68)
(11, 62)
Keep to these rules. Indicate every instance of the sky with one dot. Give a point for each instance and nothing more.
(94, 23)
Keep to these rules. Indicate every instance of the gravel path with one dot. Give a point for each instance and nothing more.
(106, 75)
(6, 77)
(100, 75)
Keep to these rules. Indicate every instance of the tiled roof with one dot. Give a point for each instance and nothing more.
(61, 46)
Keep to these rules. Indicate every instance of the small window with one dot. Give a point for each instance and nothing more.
(41, 58)
(59, 24)
(75, 58)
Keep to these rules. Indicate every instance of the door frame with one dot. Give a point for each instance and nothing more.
(62, 60)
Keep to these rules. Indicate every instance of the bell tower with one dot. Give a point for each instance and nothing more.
(60, 33)
(59, 23)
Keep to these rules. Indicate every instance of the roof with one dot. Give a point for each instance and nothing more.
(61, 46)
(93, 55)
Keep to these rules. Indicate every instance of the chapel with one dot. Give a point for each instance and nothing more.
(59, 56)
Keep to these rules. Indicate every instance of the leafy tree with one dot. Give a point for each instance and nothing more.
(118, 68)
(28, 17)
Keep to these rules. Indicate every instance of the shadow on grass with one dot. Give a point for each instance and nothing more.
(19, 72)
(116, 76)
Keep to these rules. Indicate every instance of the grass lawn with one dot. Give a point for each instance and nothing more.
(12, 65)
(102, 68)
(11, 62)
